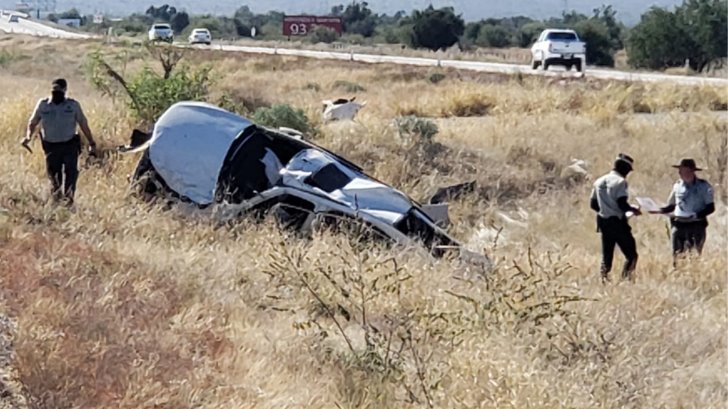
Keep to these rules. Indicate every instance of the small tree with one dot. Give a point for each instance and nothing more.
(598, 45)
(323, 34)
(493, 36)
(660, 40)
(528, 33)
(358, 18)
(148, 93)
(179, 22)
(707, 23)
(436, 28)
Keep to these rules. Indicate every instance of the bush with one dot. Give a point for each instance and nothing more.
(149, 93)
(282, 115)
(598, 46)
(348, 86)
(696, 31)
(493, 36)
(436, 29)
(415, 128)
(436, 77)
(154, 94)
(323, 34)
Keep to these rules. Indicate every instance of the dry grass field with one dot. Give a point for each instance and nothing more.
(125, 305)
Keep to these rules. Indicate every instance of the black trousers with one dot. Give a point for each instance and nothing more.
(617, 232)
(62, 167)
(688, 236)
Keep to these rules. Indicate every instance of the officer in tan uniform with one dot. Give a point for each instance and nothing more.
(609, 200)
(690, 203)
(58, 117)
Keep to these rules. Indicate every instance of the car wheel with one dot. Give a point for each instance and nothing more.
(568, 67)
(535, 64)
(545, 66)
(579, 67)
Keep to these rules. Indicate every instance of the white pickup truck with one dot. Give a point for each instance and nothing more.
(558, 47)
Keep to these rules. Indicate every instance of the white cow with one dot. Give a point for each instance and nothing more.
(341, 109)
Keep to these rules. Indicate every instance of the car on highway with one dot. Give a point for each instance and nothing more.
(200, 36)
(161, 32)
(558, 47)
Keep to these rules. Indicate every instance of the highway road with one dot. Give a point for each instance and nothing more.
(30, 27)
(24, 26)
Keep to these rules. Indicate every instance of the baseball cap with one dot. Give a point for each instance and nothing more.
(59, 84)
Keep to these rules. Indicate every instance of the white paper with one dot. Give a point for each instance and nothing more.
(647, 204)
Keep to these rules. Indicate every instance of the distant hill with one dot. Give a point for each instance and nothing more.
(628, 10)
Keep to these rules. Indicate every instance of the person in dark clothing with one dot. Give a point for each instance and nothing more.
(58, 117)
(609, 200)
(690, 203)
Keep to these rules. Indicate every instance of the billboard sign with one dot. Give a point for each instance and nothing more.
(303, 25)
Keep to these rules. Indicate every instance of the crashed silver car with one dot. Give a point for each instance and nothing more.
(208, 156)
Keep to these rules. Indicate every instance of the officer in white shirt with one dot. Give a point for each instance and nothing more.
(609, 200)
(58, 117)
(690, 203)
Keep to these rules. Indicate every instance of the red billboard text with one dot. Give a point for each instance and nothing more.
(303, 25)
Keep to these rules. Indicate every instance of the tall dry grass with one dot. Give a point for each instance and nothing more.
(121, 304)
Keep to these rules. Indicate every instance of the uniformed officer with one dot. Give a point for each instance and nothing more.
(690, 202)
(58, 117)
(609, 200)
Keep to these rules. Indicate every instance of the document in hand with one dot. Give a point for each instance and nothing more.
(647, 204)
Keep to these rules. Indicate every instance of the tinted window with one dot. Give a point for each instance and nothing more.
(561, 36)
(328, 178)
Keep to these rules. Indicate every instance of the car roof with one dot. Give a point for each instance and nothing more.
(560, 30)
(200, 29)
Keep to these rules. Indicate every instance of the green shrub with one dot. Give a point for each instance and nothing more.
(154, 94)
(418, 129)
(348, 86)
(323, 34)
(436, 77)
(282, 115)
(149, 93)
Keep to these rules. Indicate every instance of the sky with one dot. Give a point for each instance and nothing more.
(628, 10)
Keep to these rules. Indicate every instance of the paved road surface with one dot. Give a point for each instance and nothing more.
(477, 66)
(33, 28)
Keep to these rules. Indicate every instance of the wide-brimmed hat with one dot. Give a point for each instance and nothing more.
(687, 163)
(623, 157)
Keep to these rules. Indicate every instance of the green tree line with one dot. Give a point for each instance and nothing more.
(695, 32)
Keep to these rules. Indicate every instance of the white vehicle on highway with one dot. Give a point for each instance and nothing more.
(161, 32)
(558, 47)
(200, 36)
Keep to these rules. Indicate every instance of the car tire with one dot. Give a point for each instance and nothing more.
(579, 67)
(535, 64)
(545, 66)
(568, 67)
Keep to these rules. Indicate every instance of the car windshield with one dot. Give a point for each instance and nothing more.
(561, 35)
(161, 27)
(200, 31)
